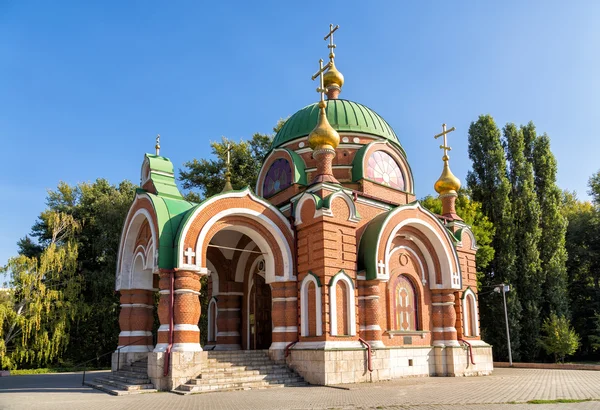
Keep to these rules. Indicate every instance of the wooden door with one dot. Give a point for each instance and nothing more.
(260, 314)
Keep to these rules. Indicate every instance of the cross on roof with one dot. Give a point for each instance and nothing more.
(445, 132)
(157, 146)
(321, 89)
(228, 151)
(329, 36)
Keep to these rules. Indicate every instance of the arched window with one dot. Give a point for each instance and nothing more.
(278, 177)
(405, 304)
(212, 320)
(310, 306)
(382, 168)
(342, 316)
(470, 316)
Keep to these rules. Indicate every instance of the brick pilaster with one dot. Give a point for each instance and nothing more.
(135, 320)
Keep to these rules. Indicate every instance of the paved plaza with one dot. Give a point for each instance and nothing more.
(500, 391)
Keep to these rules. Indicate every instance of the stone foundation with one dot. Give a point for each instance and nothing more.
(341, 366)
(183, 366)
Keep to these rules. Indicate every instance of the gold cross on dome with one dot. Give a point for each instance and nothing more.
(445, 132)
(321, 89)
(329, 36)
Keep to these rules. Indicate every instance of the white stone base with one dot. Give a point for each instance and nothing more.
(183, 366)
(339, 366)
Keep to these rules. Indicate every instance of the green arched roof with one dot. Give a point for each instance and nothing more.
(343, 115)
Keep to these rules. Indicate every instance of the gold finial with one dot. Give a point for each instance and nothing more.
(228, 186)
(157, 146)
(332, 78)
(447, 183)
(323, 136)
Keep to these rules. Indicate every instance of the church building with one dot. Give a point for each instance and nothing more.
(329, 265)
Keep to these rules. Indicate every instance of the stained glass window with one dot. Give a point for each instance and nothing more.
(406, 312)
(382, 168)
(278, 177)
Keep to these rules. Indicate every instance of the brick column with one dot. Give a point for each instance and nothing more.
(135, 320)
(370, 330)
(444, 318)
(186, 312)
(284, 314)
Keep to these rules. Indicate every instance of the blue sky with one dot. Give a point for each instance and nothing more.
(86, 86)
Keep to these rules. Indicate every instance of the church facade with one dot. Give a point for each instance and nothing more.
(329, 263)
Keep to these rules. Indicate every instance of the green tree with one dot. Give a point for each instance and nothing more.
(470, 212)
(489, 185)
(526, 237)
(553, 224)
(44, 300)
(206, 177)
(99, 208)
(559, 338)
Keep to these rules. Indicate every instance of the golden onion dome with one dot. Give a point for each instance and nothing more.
(323, 136)
(447, 183)
(333, 76)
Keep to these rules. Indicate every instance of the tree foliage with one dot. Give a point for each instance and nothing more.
(99, 210)
(559, 338)
(206, 177)
(44, 300)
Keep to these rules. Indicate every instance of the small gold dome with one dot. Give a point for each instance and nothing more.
(447, 183)
(333, 77)
(323, 136)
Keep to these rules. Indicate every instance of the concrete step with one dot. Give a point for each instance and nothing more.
(123, 386)
(193, 388)
(133, 375)
(115, 391)
(139, 379)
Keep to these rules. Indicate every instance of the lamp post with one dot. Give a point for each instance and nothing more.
(505, 288)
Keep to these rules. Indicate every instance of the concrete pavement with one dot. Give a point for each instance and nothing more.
(499, 391)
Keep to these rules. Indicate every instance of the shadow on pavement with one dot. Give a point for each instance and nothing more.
(49, 383)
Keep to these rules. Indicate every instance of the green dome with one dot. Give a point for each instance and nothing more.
(343, 115)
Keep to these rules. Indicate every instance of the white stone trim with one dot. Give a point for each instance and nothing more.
(214, 274)
(134, 305)
(179, 327)
(449, 264)
(369, 327)
(186, 347)
(161, 347)
(371, 297)
(333, 304)
(304, 308)
(242, 262)
(131, 333)
(285, 329)
(353, 214)
(413, 253)
(287, 299)
(468, 315)
(128, 238)
(267, 223)
(286, 253)
(443, 329)
(278, 345)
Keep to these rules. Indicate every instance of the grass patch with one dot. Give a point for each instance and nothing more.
(46, 370)
(557, 401)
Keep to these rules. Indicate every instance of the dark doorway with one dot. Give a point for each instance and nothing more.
(260, 314)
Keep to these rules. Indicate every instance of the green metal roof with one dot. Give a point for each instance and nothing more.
(343, 115)
(170, 213)
(163, 177)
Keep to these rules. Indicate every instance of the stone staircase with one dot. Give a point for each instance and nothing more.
(240, 370)
(130, 379)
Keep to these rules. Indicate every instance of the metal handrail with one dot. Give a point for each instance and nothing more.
(84, 364)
